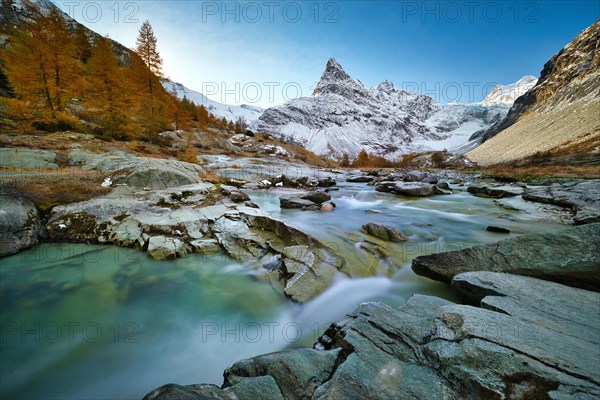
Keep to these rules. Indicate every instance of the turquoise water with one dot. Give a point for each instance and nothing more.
(92, 322)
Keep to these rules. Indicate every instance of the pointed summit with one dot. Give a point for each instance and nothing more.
(336, 80)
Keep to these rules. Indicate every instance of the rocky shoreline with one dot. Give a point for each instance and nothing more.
(527, 326)
(513, 337)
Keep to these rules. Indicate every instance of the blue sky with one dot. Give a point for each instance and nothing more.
(264, 52)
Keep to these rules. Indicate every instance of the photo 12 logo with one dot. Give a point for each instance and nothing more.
(492, 12)
(68, 332)
(92, 12)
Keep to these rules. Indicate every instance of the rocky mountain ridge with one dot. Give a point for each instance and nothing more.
(343, 117)
(561, 109)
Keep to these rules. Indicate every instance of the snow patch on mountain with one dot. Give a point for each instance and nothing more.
(343, 117)
(507, 94)
(230, 112)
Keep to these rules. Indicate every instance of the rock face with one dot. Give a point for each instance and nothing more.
(512, 341)
(583, 198)
(19, 224)
(383, 232)
(570, 256)
(343, 117)
(562, 107)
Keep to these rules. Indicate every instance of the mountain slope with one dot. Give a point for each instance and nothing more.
(562, 109)
(343, 117)
(229, 112)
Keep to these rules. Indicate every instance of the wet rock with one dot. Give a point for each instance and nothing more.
(410, 189)
(583, 198)
(295, 202)
(20, 224)
(251, 204)
(485, 190)
(317, 197)
(442, 188)
(205, 246)
(360, 178)
(327, 182)
(234, 194)
(301, 371)
(328, 206)
(497, 229)
(383, 232)
(163, 248)
(570, 256)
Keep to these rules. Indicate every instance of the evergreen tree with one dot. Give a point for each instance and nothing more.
(146, 48)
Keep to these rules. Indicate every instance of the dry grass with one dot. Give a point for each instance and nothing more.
(527, 173)
(48, 188)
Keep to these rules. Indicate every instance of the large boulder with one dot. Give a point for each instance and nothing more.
(318, 197)
(295, 202)
(582, 198)
(409, 189)
(570, 256)
(20, 224)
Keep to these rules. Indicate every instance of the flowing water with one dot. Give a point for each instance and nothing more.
(92, 322)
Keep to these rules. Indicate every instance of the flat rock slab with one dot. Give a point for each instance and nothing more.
(570, 256)
(582, 197)
(482, 189)
(27, 158)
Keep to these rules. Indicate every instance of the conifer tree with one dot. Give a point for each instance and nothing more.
(41, 63)
(146, 48)
(106, 91)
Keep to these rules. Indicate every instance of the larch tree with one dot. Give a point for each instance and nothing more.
(41, 62)
(106, 92)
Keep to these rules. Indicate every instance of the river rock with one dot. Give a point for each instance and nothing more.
(497, 229)
(495, 191)
(442, 188)
(295, 202)
(384, 232)
(163, 248)
(410, 189)
(317, 197)
(20, 224)
(582, 198)
(234, 194)
(570, 256)
(329, 206)
(360, 178)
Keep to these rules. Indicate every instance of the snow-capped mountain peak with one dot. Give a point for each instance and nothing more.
(335, 80)
(507, 94)
(344, 117)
